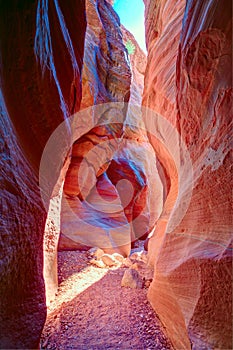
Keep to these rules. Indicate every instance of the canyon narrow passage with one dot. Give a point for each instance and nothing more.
(116, 174)
(93, 311)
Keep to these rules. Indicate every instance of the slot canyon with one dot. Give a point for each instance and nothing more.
(116, 176)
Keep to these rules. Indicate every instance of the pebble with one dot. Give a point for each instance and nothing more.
(131, 279)
(98, 253)
(147, 283)
(108, 260)
(127, 262)
(98, 263)
(118, 257)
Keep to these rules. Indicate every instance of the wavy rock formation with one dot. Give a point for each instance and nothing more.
(188, 82)
(108, 188)
(100, 166)
(106, 78)
(36, 96)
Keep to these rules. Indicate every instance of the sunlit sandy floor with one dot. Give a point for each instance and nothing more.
(93, 311)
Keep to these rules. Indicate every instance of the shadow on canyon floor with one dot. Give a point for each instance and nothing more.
(93, 311)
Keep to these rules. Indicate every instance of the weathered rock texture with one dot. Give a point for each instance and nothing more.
(112, 205)
(188, 81)
(138, 66)
(37, 39)
(106, 78)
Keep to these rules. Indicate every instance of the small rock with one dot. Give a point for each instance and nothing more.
(144, 257)
(92, 250)
(134, 256)
(131, 279)
(98, 263)
(135, 266)
(147, 283)
(118, 257)
(127, 262)
(98, 254)
(108, 260)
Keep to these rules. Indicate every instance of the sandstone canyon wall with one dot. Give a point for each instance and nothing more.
(121, 196)
(37, 40)
(189, 83)
(188, 89)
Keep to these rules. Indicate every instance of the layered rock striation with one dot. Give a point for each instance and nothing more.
(37, 40)
(106, 162)
(107, 199)
(188, 83)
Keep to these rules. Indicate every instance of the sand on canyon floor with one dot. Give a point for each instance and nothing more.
(92, 311)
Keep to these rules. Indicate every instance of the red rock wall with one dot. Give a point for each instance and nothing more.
(106, 78)
(110, 77)
(163, 21)
(188, 81)
(137, 61)
(33, 103)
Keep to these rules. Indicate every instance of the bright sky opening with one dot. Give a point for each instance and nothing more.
(131, 13)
